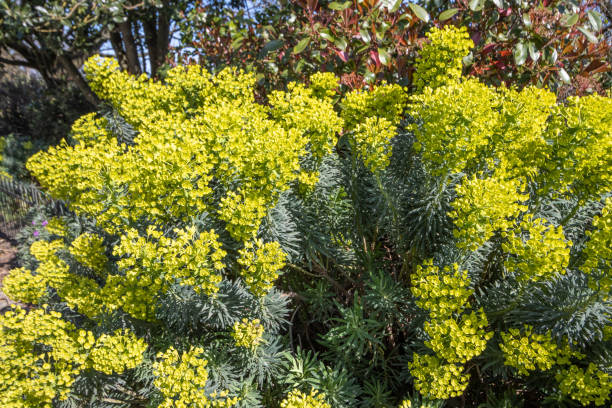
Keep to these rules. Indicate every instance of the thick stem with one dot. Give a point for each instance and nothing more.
(117, 43)
(130, 48)
(77, 78)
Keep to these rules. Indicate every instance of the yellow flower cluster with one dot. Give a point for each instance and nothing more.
(441, 60)
(32, 376)
(371, 119)
(89, 130)
(149, 265)
(455, 336)
(598, 251)
(406, 404)
(527, 351)
(324, 84)
(455, 126)
(56, 226)
(298, 399)
(581, 158)
(383, 101)
(522, 133)
(458, 341)
(310, 112)
(89, 250)
(23, 286)
(484, 206)
(544, 254)
(125, 345)
(586, 386)
(436, 379)
(441, 292)
(261, 264)
(371, 140)
(181, 379)
(248, 334)
(79, 292)
(192, 129)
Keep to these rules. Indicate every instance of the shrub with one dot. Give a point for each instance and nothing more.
(446, 247)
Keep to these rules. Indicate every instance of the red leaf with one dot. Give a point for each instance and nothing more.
(342, 55)
(375, 58)
(488, 48)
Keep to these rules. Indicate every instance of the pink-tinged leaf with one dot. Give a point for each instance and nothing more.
(488, 48)
(342, 55)
(375, 58)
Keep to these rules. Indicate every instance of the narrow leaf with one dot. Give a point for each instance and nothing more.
(564, 76)
(301, 45)
(520, 53)
(326, 35)
(420, 12)
(384, 56)
(589, 35)
(448, 14)
(533, 52)
(271, 46)
(476, 5)
(571, 20)
(365, 35)
(339, 6)
(595, 20)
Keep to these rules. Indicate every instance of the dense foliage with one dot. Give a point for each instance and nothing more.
(326, 249)
(559, 44)
(33, 117)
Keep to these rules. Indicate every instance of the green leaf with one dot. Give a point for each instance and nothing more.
(396, 6)
(520, 53)
(448, 14)
(527, 20)
(369, 76)
(384, 56)
(237, 43)
(391, 5)
(341, 43)
(589, 35)
(571, 20)
(553, 56)
(339, 6)
(498, 3)
(300, 65)
(564, 76)
(595, 20)
(327, 35)
(365, 35)
(533, 52)
(420, 12)
(476, 5)
(301, 45)
(272, 46)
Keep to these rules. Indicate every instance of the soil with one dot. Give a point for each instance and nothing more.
(7, 261)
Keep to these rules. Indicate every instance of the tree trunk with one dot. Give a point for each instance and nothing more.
(75, 76)
(130, 48)
(163, 36)
(117, 43)
(150, 33)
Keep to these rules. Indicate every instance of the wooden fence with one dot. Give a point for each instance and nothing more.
(18, 203)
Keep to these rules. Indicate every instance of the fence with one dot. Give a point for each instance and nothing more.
(18, 201)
